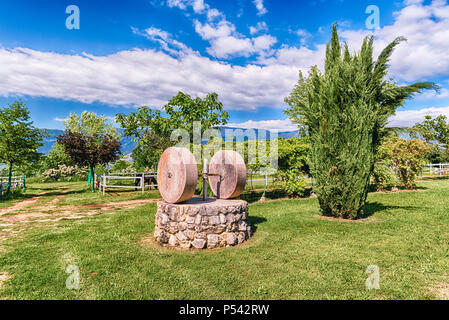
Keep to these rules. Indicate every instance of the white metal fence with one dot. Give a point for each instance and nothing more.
(16, 182)
(101, 182)
(440, 169)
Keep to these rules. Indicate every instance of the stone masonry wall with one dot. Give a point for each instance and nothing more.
(197, 224)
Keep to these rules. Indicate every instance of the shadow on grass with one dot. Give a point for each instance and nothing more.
(373, 189)
(370, 208)
(17, 195)
(256, 221)
(437, 178)
(254, 196)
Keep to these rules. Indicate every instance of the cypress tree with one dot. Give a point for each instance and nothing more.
(344, 111)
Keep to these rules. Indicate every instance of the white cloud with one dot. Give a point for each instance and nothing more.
(410, 117)
(165, 40)
(260, 26)
(279, 125)
(225, 42)
(198, 6)
(431, 95)
(303, 34)
(261, 10)
(141, 77)
(60, 119)
(181, 4)
(425, 55)
(303, 58)
(151, 77)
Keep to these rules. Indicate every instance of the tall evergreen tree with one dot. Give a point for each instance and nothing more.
(344, 111)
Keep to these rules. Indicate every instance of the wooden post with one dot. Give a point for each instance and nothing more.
(104, 184)
(142, 182)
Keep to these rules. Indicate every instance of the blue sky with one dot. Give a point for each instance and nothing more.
(131, 53)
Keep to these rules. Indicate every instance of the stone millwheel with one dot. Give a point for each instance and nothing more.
(177, 175)
(232, 170)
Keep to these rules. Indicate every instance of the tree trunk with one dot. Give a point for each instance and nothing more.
(92, 179)
(9, 178)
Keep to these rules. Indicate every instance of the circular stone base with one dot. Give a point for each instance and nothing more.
(202, 224)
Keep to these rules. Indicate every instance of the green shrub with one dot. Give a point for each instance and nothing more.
(383, 176)
(407, 157)
(292, 183)
(293, 165)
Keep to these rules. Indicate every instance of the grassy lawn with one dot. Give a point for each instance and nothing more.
(294, 254)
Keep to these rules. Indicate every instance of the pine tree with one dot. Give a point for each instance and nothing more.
(344, 111)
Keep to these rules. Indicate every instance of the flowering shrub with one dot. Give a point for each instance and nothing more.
(407, 158)
(65, 172)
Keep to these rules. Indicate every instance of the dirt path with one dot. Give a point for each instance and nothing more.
(11, 225)
(73, 212)
(21, 205)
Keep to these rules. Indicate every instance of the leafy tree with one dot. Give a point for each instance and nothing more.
(344, 111)
(407, 157)
(56, 157)
(122, 165)
(90, 140)
(19, 139)
(147, 152)
(438, 155)
(153, 128)
(89, 151)
(90, 124)
(433, 130)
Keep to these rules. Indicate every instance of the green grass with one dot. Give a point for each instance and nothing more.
(293, 254)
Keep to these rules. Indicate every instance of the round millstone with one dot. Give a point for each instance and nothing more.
(177, 175)
(228, 177)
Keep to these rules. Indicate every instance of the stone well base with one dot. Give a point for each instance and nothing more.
(199, 224)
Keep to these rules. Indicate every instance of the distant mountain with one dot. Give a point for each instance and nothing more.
(128, 145)
(260, 133)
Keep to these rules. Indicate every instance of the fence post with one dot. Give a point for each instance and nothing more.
(142, 182)
(89, 177)
(104, 184)
(24, 182)
(92, 187)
